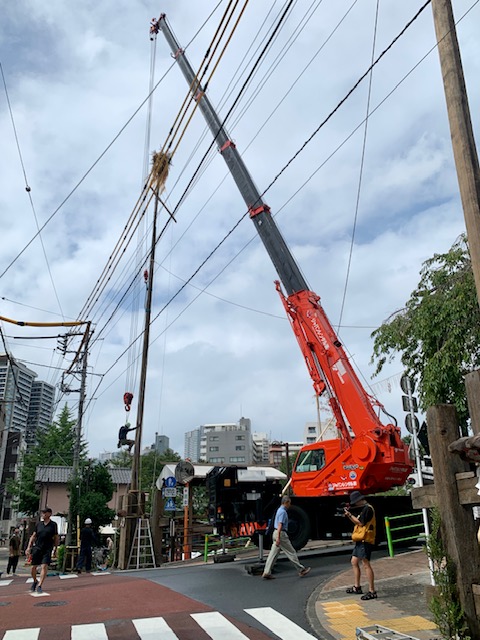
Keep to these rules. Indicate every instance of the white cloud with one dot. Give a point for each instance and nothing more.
(75, 74)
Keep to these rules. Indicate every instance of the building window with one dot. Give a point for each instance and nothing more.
(240, 447)
(312, 429)
(213, 449)
(213, 438)
(217, 460)
(237, 459)
(239, 437)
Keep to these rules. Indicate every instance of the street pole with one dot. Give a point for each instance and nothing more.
(463, 142)
(78, 429)
(135, 483)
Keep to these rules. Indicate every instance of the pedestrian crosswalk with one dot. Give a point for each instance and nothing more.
(212, 623)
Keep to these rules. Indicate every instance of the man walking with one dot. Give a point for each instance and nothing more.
(281, 542)
(364, 537)
(13, 552)
(87, 540)
(41, 547)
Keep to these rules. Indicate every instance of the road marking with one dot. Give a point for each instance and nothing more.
(100, 573)
(22, 634)
(5, 583)
(67, 576)
(89, 632)
(217, 626)
(39, 595)
(279, 624)
(153, 628)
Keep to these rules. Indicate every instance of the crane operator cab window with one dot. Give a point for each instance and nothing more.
(312, 460)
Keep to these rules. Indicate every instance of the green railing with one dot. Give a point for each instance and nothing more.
(414, 530)
(223, 545)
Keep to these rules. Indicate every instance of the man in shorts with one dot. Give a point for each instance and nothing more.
(366, 525)
(41, 546)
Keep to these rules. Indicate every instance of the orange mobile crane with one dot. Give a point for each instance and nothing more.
(367, 456)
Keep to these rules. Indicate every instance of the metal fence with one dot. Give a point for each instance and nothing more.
(405, 531)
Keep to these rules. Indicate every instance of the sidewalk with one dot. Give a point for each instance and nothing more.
(401, 583)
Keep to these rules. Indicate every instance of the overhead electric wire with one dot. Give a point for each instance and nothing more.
(276, 178)
(107, 148)
(28, 190)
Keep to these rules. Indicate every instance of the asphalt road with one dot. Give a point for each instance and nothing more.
(228, 587)
(193, 602)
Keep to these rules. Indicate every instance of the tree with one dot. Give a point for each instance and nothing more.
(438, 331)
(90, 492)
(54, 446)
(151, 465)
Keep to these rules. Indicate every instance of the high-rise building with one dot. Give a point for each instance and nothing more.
(22, 399)
(192, 445)
(40, 410)
(161, 444)
(261, 445)
(227, 443)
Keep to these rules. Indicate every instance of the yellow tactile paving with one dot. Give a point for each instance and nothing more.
(407, 623)
(342, 617)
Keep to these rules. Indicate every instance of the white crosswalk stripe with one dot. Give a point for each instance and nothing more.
(213, 623)
(153, 628)
(218, 627)
(279, 624)
(22, 634)
(95, 631)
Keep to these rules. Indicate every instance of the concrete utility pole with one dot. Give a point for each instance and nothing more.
(78, 428)
(463, 142)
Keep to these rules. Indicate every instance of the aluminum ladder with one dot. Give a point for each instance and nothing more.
(142, 555)
(377, 632)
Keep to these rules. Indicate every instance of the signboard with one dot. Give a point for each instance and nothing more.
(170, 482)
(409, 406)
(185, 496)
(408, 423)
(404, 384)
(169, 492)
(170, 505)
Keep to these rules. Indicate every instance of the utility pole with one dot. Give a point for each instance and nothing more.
(78, 428)
(463, 142)
(135, 484)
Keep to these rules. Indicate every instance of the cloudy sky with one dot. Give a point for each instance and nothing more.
(78, 76)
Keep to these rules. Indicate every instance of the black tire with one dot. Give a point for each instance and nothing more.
(298, 527)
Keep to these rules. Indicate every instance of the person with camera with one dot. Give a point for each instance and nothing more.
(364, 537)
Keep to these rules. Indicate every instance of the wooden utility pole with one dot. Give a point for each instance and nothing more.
(463, 142)
(135, 482)
(458, 527)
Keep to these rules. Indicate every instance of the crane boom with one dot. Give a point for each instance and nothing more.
(375, 455)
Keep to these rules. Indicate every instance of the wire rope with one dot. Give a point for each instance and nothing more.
(360, 176)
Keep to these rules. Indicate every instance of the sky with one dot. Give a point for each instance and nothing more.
(380, 196)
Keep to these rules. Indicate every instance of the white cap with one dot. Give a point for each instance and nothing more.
(88, 521)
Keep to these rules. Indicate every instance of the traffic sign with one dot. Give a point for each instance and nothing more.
(408, 423)
(185, 496)
(409, 406)
(170, 482)
(404, 384)
(170, 505)
(169, 492)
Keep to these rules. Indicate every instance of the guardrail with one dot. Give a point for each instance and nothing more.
(418, 527)
(215, 544)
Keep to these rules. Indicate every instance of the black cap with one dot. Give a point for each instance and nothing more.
(47, 510)
(355, 497)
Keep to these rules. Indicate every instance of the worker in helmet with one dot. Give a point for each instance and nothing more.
(87, 541)
(122, 436)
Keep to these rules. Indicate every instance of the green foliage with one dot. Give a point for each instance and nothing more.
(438, 331)
(55, 446)
(90, 492)
(445, 607)
(291, 462)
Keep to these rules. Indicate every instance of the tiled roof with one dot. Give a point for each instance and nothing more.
(61, 475)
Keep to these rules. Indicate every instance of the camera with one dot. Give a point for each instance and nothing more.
(340, 511)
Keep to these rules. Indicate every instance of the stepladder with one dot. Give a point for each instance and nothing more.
(142, 555)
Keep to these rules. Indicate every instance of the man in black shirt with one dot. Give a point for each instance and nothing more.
(87, 540)
(41, 546)
(122, 436)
